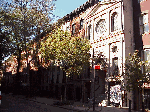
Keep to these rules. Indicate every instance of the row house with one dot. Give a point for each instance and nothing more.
(144, 20)
(34, 78)
(114, 28)
(75, 24)
(103, 24)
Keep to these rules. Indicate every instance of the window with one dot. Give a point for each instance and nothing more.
(147, 55)
(141, 25)
(67, 28)
(114, 22)
(143, 22)
(81, 24)
(141, 1)
(115, 66)
(101, 26)
(147, 58)
(89, 32)
(114, 49)
(73, 29)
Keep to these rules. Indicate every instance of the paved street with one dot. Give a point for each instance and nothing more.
(19, 103)
(77, 106)
(13, 103)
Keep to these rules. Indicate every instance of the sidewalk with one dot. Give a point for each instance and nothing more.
(104, 109)
(76, 106)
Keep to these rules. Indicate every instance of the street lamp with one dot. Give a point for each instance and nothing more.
(97, 67)
(66, 88)
(94, 90)
(108, 77)
(142, 68)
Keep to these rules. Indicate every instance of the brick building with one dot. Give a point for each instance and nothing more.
(144, 21)
(115, 28)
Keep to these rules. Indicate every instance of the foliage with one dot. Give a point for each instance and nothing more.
(71, 53)
(20, 22)
(134, 74)
(25, 19)
(5, 41)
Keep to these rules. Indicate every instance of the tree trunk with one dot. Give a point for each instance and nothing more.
(18, 60)
(17, 81)
(0, 56)
(136, 99)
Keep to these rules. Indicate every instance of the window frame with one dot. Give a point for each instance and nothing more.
(81, 23)
(99, 25)
(113, 21)
(89, 31)
(114, 49)
(73, 28)
(114, 67)
(141, 26)
(143, 23)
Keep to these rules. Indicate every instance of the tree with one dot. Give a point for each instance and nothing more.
(134, 71)
(135, 75)
(71, 53)
(23, 20)
(5, 41)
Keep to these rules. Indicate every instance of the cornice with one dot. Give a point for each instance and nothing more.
(80, 9)
(100, 4)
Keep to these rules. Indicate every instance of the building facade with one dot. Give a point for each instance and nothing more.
(103, 24)
(144, 21)
(114, 28)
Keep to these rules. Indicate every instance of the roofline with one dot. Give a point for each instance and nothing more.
(80, 9)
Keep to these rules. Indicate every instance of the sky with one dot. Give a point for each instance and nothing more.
(64, 7)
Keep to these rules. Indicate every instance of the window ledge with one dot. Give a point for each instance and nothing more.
(115, 32)
(146, 33)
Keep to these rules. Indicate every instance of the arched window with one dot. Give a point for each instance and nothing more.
(114, 22)
(73, 29)
(101, 26)
(81, 24)
(89, 31)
